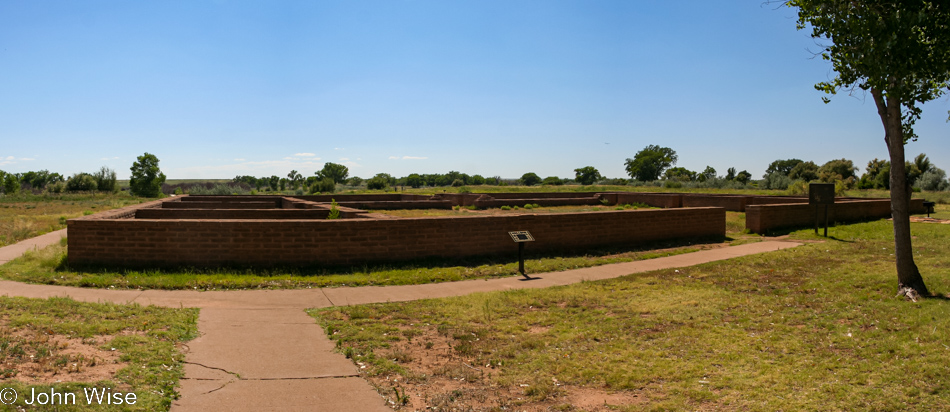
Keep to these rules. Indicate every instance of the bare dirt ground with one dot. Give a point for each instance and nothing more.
(442, 380)
(39, 357)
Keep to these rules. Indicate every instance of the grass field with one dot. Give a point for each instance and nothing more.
(26, 216)
(70, 347)
(811, 328)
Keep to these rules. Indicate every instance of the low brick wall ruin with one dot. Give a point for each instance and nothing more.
(766, 218)
(206, 242)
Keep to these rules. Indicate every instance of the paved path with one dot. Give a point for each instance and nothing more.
(259, 351)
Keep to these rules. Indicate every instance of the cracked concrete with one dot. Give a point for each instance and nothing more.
(259, 351)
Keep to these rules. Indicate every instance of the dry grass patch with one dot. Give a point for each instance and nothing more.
(811, 328)
(67, 345)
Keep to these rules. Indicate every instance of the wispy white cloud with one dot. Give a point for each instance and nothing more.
(338, 148)
(408, 157)
(239, 160)
(304, 155)
(352, 164)
(10, 160)
(109, 158)
(343, 159)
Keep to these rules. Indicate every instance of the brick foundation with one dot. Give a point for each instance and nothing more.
(201, 242)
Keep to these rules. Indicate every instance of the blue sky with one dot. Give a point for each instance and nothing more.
(222, 88)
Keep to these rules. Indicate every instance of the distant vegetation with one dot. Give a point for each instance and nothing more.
(654, 166)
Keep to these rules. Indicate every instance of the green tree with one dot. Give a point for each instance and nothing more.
(730, 174)
(743, 177)
(147, 178)
(334, 171)
(587, 175)
(899, 51)
(876, 176)
(325, 185)
(378, 182)
(782, 166)
(552, 181)
(11, 184)
(82, 182)
(414, 180)
(106, 180)
(295, 178)
(838, 170)
(708, 174)
(649, 163)
(806, 171)
(530, 179)
(681, 174)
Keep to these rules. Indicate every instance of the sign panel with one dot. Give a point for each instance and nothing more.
(821, 193)
(521, 236)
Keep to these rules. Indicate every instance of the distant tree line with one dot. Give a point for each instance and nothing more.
(654, 165)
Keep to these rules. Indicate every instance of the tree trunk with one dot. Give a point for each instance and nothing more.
(909, 281)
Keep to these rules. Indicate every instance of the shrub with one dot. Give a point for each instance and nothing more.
(105, 180)
(377, 183)
(530, 179)
(465, 189)
(614, 182)
(11, 184)
(933, 180)
(325, 185)
(776, 181)
(458, 183)
(58, 187)
(81, 182)
(334, 211)
(553, 181)
(506, 207)
(217, 189)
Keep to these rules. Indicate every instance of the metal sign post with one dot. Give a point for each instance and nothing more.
(520, 237)
(821, 194)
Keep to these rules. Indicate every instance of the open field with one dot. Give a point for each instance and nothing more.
(26, 216)
(811, 328)
(69, 347)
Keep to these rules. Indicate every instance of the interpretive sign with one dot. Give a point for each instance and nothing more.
(520, 237)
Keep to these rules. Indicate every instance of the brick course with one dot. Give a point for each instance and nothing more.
(764, 218)
(154, 242)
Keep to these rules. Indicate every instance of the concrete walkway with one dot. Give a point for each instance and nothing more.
(259, 351)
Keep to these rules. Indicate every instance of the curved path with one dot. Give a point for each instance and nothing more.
(259, 351)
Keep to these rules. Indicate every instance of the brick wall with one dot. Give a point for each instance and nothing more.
(396, 205)
(488, 201)
(154, 242)
(664, 200)
(763, 218)
(730, 203)
(281, 214)
(273, 204)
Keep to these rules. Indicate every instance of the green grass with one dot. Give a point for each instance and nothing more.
(145, 337)
(26, 215)
(49, 266)
(811, 328)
